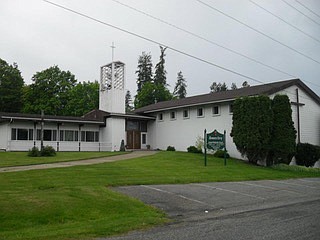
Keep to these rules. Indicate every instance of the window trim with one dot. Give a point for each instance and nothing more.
(172, 118)
(202, 109)
(219, 110)
(188, 115)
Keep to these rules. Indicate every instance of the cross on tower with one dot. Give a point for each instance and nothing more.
(298, 105)
(112, 47)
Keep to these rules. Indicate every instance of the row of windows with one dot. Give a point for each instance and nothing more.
(51, 135)
(200, 113)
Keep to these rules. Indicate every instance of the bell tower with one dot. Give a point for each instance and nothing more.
(112, 88)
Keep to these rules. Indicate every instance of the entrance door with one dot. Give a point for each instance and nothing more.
(133, 139)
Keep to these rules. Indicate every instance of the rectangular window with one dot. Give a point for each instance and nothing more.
(144, 138)
(13, 134)
(89, 136)
(143, 126)
(22, 134)
(132, 125)
(76, 136)
(215, 110)
(200, 112)
(186, 113)
(160, 116)
(173, 115)
(69, 135)
(30, 134)
(96, 136)
(61, 135)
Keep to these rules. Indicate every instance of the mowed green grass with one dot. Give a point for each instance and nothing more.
(21, 158)
(77, 202)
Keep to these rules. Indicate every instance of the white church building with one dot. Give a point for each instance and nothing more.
(177, 123)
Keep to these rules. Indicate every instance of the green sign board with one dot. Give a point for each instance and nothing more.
(215, 140)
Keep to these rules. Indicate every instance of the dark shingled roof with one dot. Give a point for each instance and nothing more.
(266, 89)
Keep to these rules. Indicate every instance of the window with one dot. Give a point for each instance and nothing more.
(21, 134)
(200, 112)
(186, 113)
(48, 135)
(173, 115)
(144, 138)
(89, 136)
(69, 135)
(215, 110)
(143, 126)
(160, 116)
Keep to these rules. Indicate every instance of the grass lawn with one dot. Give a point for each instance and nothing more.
(77, 203)
(21, 158)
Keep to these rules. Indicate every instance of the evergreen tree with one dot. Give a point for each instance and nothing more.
(180, 90)
(128, 102)
(160, 73)
(11, 87)
(245, 84)
(218, 87)
(233, 86)
(144, 70)
(252, 122)
(283, 132)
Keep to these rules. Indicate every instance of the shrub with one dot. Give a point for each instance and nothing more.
(34, 152)
(48, 151)
(220, 154)
(193, 149)
(307, 154)
(171, 148)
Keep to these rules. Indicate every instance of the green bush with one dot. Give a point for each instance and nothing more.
(34, 152)
(307, 154)
(220, 154)
(193, 149)
(48, 151)
(171, 148)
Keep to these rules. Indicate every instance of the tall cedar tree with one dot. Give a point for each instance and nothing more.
(180, 90)
(252, 122)
(283, 140)
(144, 70)
(11, 87)
(160, 77)
(218, 87)
(128, 102)
(50, 91)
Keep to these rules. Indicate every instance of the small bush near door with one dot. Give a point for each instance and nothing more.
(171, 148)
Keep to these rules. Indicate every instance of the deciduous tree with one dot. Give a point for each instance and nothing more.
(11, 87)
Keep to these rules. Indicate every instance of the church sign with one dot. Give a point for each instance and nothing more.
(214, 141)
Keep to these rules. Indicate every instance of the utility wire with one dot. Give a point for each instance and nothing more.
(310, 10)
(203, 38)
(152, 41)
(256, 30)
(207, 40)
(290, 5)
(156, 42)
(298, 29)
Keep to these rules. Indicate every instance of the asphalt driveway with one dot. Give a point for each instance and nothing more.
(286, 209)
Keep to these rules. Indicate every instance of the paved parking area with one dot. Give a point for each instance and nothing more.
(277, 209)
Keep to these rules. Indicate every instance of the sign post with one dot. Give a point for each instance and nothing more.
(214, 141)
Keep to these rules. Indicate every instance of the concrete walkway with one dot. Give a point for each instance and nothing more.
(135, 154)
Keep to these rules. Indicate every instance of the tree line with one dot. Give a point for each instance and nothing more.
(58, 92)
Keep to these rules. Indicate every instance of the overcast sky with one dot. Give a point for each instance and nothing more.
(38, 35)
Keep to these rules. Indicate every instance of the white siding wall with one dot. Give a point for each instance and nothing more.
(114, 132)
(183, 132)
(309, 115)
(3, 136)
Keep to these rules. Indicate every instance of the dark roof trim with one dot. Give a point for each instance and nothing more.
(230, 95)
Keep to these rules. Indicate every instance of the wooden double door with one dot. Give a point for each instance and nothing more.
(133, 139)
